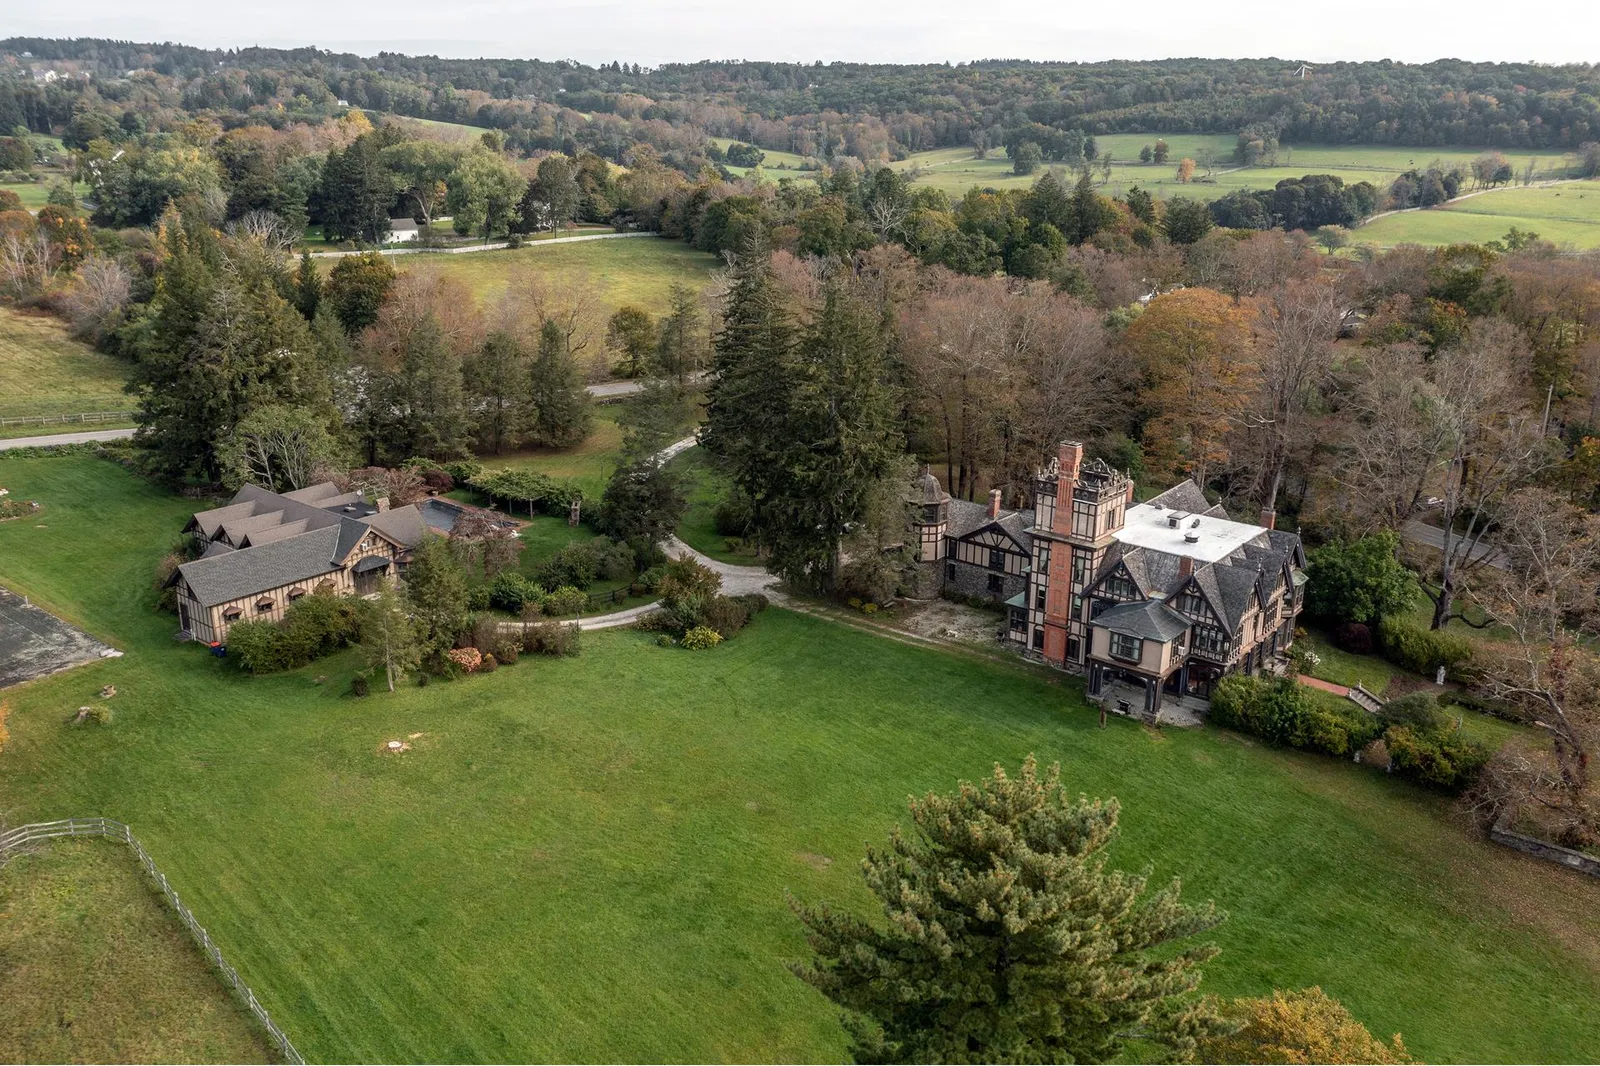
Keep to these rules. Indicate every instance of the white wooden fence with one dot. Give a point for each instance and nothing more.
(113, 830)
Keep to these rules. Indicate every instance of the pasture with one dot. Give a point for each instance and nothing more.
(43, 371)
(587, 858)
(34, 194)
(98, 969)
(954, 170)
(1567, 214)
(639, 271)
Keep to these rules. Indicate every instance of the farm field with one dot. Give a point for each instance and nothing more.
(953, 170)
(98, 969)
(775, 163)
(639, 271)
(43, 371)
(34, 194)
(1567, 214)
(588, 858)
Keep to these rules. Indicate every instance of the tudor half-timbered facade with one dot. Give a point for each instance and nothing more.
(265, 550)
(1159, 598)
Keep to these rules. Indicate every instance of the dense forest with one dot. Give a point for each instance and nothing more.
(871, 111)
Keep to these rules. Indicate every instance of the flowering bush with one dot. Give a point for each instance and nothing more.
(700, 638)
(468, 659)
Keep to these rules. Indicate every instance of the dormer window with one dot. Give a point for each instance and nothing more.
(232, 614)
(264, 605)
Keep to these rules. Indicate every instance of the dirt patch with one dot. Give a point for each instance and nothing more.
(813, 860)
(35, 643)
(944, 620)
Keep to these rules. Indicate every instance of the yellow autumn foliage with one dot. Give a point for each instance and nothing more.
(1305, 1026)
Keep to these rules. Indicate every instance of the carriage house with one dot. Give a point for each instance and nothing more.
(264, 550)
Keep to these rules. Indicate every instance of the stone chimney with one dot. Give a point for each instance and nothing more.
(1269, 518)
(381, 503)
(994, 503)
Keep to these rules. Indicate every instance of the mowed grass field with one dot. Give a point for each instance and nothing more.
(638, 270)
(587, 859)
(34, 194)
(43, 371)
(954, 170)
(94, 967)
(1567, 214)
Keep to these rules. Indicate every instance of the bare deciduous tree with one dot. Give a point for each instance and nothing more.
(100, 291)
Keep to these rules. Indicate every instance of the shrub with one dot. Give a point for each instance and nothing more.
(871, 578)
(725, 615)
(468, 660)
(488, 665)
(1445, 760)
(509, 650)
(565, 601)
(1354, 637)
(359, 685)
(1304, 1026)
(579, 565)
(664, 641)
(701, 638)
(551, 638)
(258, 647)
(753, 602)
(510, 591)
(1360, 581)
(1417, 710)
(650, 579)
(478, 598)
(1284, 712)
(437, 481)
(464, 469)
(1420, 650)
(100, 714)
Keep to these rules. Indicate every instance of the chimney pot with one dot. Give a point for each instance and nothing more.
(994, 503)
(1269, 518)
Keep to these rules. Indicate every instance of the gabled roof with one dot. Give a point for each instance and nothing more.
(967, 518)
(403, 525)
(1146, 619)
(236, 574)
(1185, 496)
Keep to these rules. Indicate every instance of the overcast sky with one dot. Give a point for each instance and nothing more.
(637, 31)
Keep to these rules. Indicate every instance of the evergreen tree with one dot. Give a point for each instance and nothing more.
(753, 377)
(390, 636)
(436, 587)
(1007, 939)
(561, 405)
(307, 287)
(680, 352)
(642, 505)
(427, 400)
(840, 435)
(1090, 212)
(497, 383)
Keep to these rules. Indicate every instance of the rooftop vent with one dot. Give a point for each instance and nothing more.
(1195, 523)
(1191, 537)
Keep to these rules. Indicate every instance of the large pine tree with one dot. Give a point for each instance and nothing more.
(1007, 940)
(562, 409)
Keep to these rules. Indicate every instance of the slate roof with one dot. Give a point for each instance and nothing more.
(241, 573)
(282, 538)
(1145, 619)
(967, 517)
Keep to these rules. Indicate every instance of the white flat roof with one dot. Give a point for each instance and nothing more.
(1146, 526)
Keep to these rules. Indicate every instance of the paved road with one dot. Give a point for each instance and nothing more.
(1433, 536)
(465, 249)
(66, 438)
(605, 390)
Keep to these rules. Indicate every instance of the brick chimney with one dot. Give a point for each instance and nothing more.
(994, 503)
(1185, 567)
(1069, 458)
(1130, 492)
(1269, 518)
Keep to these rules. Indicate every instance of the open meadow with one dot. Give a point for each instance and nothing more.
(954, 170)
(94, 967)
(587, 858)
(43, 371)
(639, 271)
(1567, 214)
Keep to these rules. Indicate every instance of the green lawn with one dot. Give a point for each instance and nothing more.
(639, 271)
(588, 465)
(34, 194)
(704, 489)
(43, 371)
(587, 859)
(1568, 214)
(94, 967)
(954, 170)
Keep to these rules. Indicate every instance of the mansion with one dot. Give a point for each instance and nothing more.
(1154, 599)
(264, 550)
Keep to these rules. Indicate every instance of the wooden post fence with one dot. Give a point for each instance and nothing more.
(13, 839)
